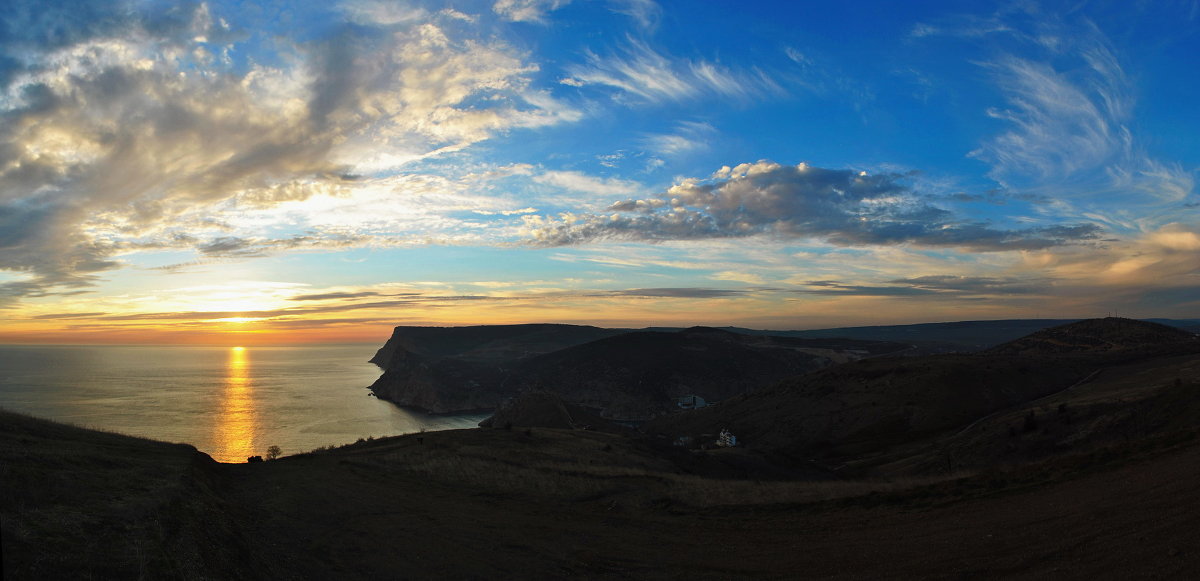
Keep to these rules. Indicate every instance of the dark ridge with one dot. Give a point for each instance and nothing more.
(639, 375)
(628, 374)
(487, 342)
(866, 407)
(1095, 335)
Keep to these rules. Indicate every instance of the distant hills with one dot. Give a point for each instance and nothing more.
(636, 374)
(628, 375)
(958, 336)
(872, 406)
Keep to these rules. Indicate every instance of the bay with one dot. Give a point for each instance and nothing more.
(230, 403)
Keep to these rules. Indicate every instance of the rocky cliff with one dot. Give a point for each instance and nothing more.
(449, 369)
(625, 375)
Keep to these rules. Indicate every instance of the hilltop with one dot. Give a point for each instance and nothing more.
(1096, 335)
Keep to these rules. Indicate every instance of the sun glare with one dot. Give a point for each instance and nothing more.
(238, 320)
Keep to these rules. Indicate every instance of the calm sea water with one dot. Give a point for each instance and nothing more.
(228, 402)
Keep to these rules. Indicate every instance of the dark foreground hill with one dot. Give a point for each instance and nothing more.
(628, 375)
(548, 504)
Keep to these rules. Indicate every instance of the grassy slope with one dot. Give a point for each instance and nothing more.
(83, 504)
(553, 504)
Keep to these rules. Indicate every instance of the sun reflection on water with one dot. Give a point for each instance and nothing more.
(236, 421)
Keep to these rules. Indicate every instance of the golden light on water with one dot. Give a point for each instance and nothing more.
(237, 419)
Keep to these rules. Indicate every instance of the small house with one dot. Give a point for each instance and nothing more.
(726, 439)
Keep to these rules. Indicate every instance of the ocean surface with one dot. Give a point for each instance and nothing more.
(229, 402)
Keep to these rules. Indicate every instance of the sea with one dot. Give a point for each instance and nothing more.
(229, 402)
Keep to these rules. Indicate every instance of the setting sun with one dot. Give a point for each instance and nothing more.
(237, 320)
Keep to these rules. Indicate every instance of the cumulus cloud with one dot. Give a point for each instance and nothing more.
(126, 124)
(843, 207)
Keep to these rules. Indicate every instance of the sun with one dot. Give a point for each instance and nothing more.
(239, 348)
(238, 320)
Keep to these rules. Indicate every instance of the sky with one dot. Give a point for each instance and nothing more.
(279, 172)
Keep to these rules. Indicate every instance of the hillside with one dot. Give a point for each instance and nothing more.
(622, 374)
(1095, 336)
(82, 504)
(878, 408)
(639, 375)
(955, 336)
(554, 504)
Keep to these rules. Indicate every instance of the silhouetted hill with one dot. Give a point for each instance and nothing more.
(874, 403)
(868, 406)
(625, 374)
(1095, 335)
(82, 504)
(549, 504)
(445, 369)
(958, 336)
(639, 375)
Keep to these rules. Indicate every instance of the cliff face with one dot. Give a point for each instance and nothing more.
(626, 375)
(450, 369)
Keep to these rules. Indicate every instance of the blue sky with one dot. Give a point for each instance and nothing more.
(323, 171)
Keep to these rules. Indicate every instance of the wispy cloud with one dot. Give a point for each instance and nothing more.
(527, 10)
(1070, 110)
(688, 137)
(646, 13)
(643, 72)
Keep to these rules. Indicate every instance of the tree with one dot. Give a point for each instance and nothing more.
(273, 452)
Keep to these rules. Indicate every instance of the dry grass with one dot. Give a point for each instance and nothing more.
(586, 467)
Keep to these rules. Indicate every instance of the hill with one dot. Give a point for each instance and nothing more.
(956, 336)
(546, 503)
(883, 407)
(1097, 335)
(622, 374)
(447, 369)
(638, 375)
